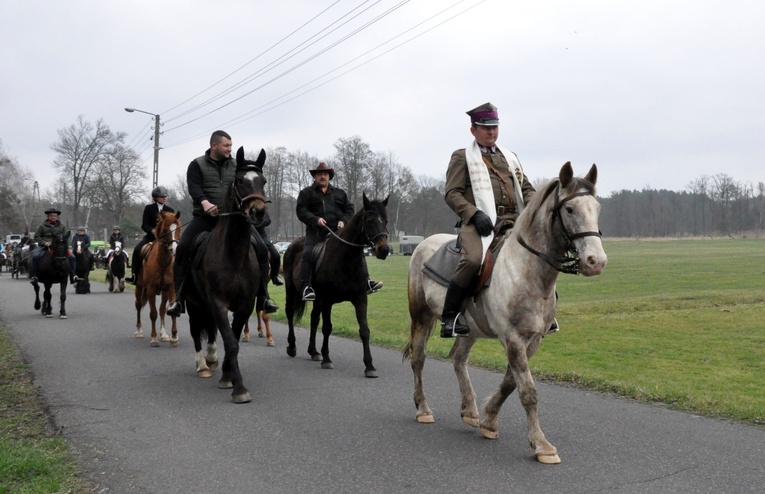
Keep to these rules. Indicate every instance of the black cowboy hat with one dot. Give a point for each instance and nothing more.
(323, 168)
(52, 210)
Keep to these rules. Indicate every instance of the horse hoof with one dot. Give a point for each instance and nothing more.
(327, 365)
(212, 365)
(425, 419)
(139, 334)
(471, 421)
(246, 338)
(62, 316)
(225, 384)
(271, 344)
(49, 315)
(489, 434)
(174, 342)
(316, 358)
(165, 339)
(548, 459)
(261, 335)
(242, 398)
(204, 374)
(154, 343)
(370, 373)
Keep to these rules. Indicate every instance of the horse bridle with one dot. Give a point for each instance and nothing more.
(568, 264)
(370, 242)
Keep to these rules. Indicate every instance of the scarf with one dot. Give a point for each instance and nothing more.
(481, 183)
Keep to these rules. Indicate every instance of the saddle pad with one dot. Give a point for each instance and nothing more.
(441, 265)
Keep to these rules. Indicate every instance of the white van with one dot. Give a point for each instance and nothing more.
(13, 237)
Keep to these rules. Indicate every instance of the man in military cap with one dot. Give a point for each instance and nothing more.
(43, 237)
(486, 188)
(322, 207)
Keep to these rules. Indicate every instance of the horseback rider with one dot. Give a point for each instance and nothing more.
(115, 237)
(208, 178)
(273, 254)
(148, 223)
(323, 208)
(44, 235)
(81, 236)
(508, 187)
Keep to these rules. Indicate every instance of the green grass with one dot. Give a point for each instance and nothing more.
(33, 459)
(673, 321)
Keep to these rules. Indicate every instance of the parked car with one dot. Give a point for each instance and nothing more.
(282, 246)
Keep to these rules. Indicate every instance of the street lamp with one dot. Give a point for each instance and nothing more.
(156, 143)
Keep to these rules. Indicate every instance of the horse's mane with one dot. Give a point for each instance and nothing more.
(528, 215)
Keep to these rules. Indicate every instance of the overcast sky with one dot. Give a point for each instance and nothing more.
(657, 93)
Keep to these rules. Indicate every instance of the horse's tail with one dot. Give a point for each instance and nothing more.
(406, 353)
(299, 308)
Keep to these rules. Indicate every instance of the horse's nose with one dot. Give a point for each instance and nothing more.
(596, 263)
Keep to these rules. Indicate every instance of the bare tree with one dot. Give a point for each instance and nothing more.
(18, 202)
(81, 148)
(117, 180)
(352, 162)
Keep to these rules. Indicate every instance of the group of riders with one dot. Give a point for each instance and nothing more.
(485, 186)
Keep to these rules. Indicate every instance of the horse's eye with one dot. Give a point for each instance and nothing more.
(569, 210)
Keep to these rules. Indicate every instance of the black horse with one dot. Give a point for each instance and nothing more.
(84, 264)
(53, 267)
(115, 270)
(226, 276)
(341, 276)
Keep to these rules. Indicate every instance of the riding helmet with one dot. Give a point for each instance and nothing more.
(116, 227)
(52, 210)
(159, 191)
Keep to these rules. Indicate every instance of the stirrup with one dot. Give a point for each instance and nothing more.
(373, 286)
(277, 280)
(453, 327)
(308, 294)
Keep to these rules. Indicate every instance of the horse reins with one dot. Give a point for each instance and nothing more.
(568, 264)
(363, 229)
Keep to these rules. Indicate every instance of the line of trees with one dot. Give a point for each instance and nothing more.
(102, 182)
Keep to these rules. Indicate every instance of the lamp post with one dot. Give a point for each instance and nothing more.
(156, 143)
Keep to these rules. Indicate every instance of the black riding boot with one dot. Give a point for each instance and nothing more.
(178, 306)
(263, 301)
(450, 325)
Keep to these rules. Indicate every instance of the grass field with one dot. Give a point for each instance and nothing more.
(675, 321)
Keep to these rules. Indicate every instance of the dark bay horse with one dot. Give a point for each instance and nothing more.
(115, 270)
(84, 264)
(156, 278)
(341, 276)
(226, 277)
(53, 268)
(556, 232)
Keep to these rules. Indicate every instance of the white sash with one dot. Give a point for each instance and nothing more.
(481, 183)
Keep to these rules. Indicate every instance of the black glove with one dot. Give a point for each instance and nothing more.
(482, 223)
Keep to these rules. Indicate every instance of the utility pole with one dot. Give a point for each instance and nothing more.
(155, 175)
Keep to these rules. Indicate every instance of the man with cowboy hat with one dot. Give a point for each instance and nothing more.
(487, 189)
(148, 223)
(322, 207)
(44, 237)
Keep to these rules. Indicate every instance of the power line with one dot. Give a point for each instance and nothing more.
(268, 108)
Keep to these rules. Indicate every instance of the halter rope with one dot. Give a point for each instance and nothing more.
(363, 229)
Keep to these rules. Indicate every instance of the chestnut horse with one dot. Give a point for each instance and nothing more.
(264, 329)
(556, 232)
(156, 278)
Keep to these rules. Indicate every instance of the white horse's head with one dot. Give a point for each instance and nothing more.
(79, 247)
(117, 247)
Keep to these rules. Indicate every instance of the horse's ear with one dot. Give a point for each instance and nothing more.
(261, 159)
(178, 215)
(566, 174)
(592, 175)
(385, 202)
(366, 201)
(240, 155)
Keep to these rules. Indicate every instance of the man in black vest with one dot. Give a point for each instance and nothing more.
(208, 178)
(148, 223)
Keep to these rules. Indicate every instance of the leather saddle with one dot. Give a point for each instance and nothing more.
(441, 265)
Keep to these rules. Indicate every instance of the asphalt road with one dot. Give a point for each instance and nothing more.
(140, 421)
